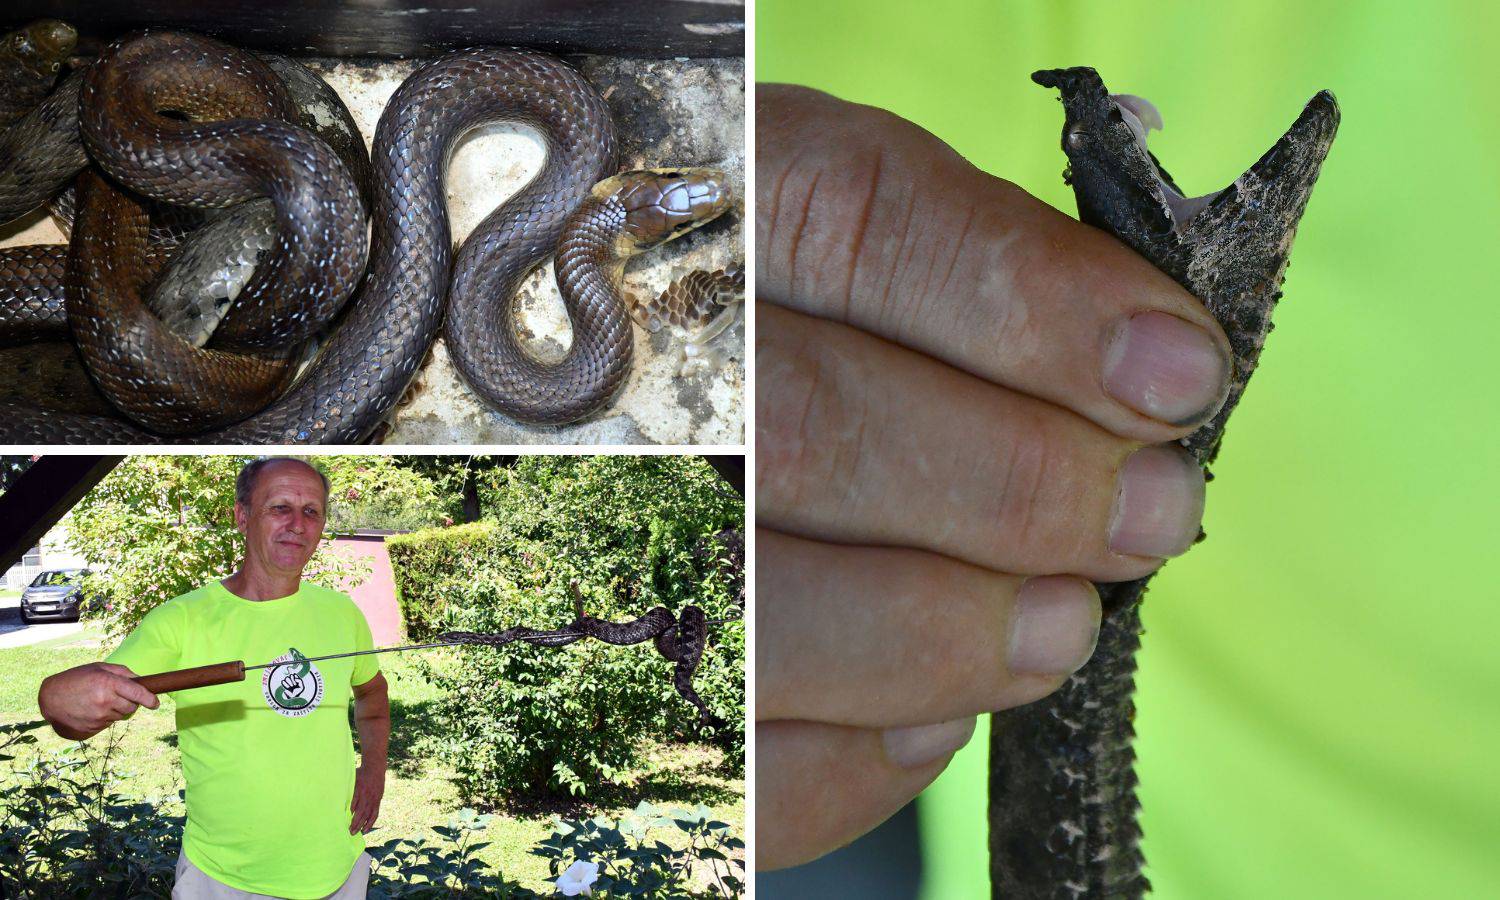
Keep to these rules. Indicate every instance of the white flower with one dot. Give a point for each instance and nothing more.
(577, 878)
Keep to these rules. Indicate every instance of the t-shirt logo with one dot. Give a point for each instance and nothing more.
(292, 686)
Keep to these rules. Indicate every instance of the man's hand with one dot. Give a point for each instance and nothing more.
(964, 400)
(369, 788)
(83, 701)
(372, 718)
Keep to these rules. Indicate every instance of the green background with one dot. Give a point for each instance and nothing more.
(1319, 697)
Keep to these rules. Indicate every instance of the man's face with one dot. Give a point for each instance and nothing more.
(283, 522)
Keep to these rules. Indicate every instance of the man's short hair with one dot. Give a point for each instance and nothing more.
(244, 483)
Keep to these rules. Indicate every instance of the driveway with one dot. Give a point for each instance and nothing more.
(15, 633)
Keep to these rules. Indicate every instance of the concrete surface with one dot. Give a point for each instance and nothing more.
(668, 112)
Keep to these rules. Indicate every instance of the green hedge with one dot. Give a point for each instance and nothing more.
(433, 566)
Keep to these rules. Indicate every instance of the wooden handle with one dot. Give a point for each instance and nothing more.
(202, 676)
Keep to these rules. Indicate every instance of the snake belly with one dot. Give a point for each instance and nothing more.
(1063, 801)
(373, 355)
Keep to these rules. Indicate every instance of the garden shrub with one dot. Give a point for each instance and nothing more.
(410, 869)
(66, 833)
(630, 532)
(376, 492)
(632, 863)
(430, 567)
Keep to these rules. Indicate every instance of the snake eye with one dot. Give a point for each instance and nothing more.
(1076, 139)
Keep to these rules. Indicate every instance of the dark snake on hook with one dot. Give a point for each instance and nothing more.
(680, 639)
(1062, 775)
(372, 356)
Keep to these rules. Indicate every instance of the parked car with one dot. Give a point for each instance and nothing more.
(54, 594)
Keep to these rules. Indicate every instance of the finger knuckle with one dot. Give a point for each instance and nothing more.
(839, 206)
(1030, 505)
(809, 432)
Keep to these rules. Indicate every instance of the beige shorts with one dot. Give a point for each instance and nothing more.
(194, 884)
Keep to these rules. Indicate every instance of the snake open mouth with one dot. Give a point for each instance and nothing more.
(1141, 117)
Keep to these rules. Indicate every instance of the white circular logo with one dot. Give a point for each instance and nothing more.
(291, 685)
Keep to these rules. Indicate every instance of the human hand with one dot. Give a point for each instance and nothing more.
(369, 788)
(83, 701)
(963, 403)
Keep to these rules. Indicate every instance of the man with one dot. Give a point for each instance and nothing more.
(275, 806)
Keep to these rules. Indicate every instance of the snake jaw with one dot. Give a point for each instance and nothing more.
(1105, 141)
(1131, 193)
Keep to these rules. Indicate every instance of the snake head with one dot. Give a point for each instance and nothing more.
(661, 204)
(43, 45)
(1122, 187)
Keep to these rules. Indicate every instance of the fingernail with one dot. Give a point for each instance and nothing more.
(1056, 625)
(1158, 504)
(912, 748)
(1166, 368)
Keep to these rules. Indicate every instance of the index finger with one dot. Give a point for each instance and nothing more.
(864, 218)
(126, 687)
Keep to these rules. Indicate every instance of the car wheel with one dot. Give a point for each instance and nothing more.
(25, 619)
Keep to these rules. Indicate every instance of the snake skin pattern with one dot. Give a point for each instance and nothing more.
(40, 153)
(622, 216)
(695, 303)
(365, 366)
(31, 294)
(1062, 778)
(679, 639)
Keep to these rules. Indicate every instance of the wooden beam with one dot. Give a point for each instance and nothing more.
(395, 28)
(732, 469)
(41, 496)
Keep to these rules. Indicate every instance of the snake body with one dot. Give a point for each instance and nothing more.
(680, 639)
(40, 152)
(1062, 778)
(237, 146)
(370, 359)
(621, 216)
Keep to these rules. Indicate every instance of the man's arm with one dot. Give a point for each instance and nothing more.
(372, 719)
(83, 701)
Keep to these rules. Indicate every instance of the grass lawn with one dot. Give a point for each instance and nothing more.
(419, 792)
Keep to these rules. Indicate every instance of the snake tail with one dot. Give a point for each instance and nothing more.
(1062, 779)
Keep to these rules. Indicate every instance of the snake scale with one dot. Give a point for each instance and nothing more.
(1062, 780)
(382, 335)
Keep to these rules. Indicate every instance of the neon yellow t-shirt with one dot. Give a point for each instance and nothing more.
(268, 761)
